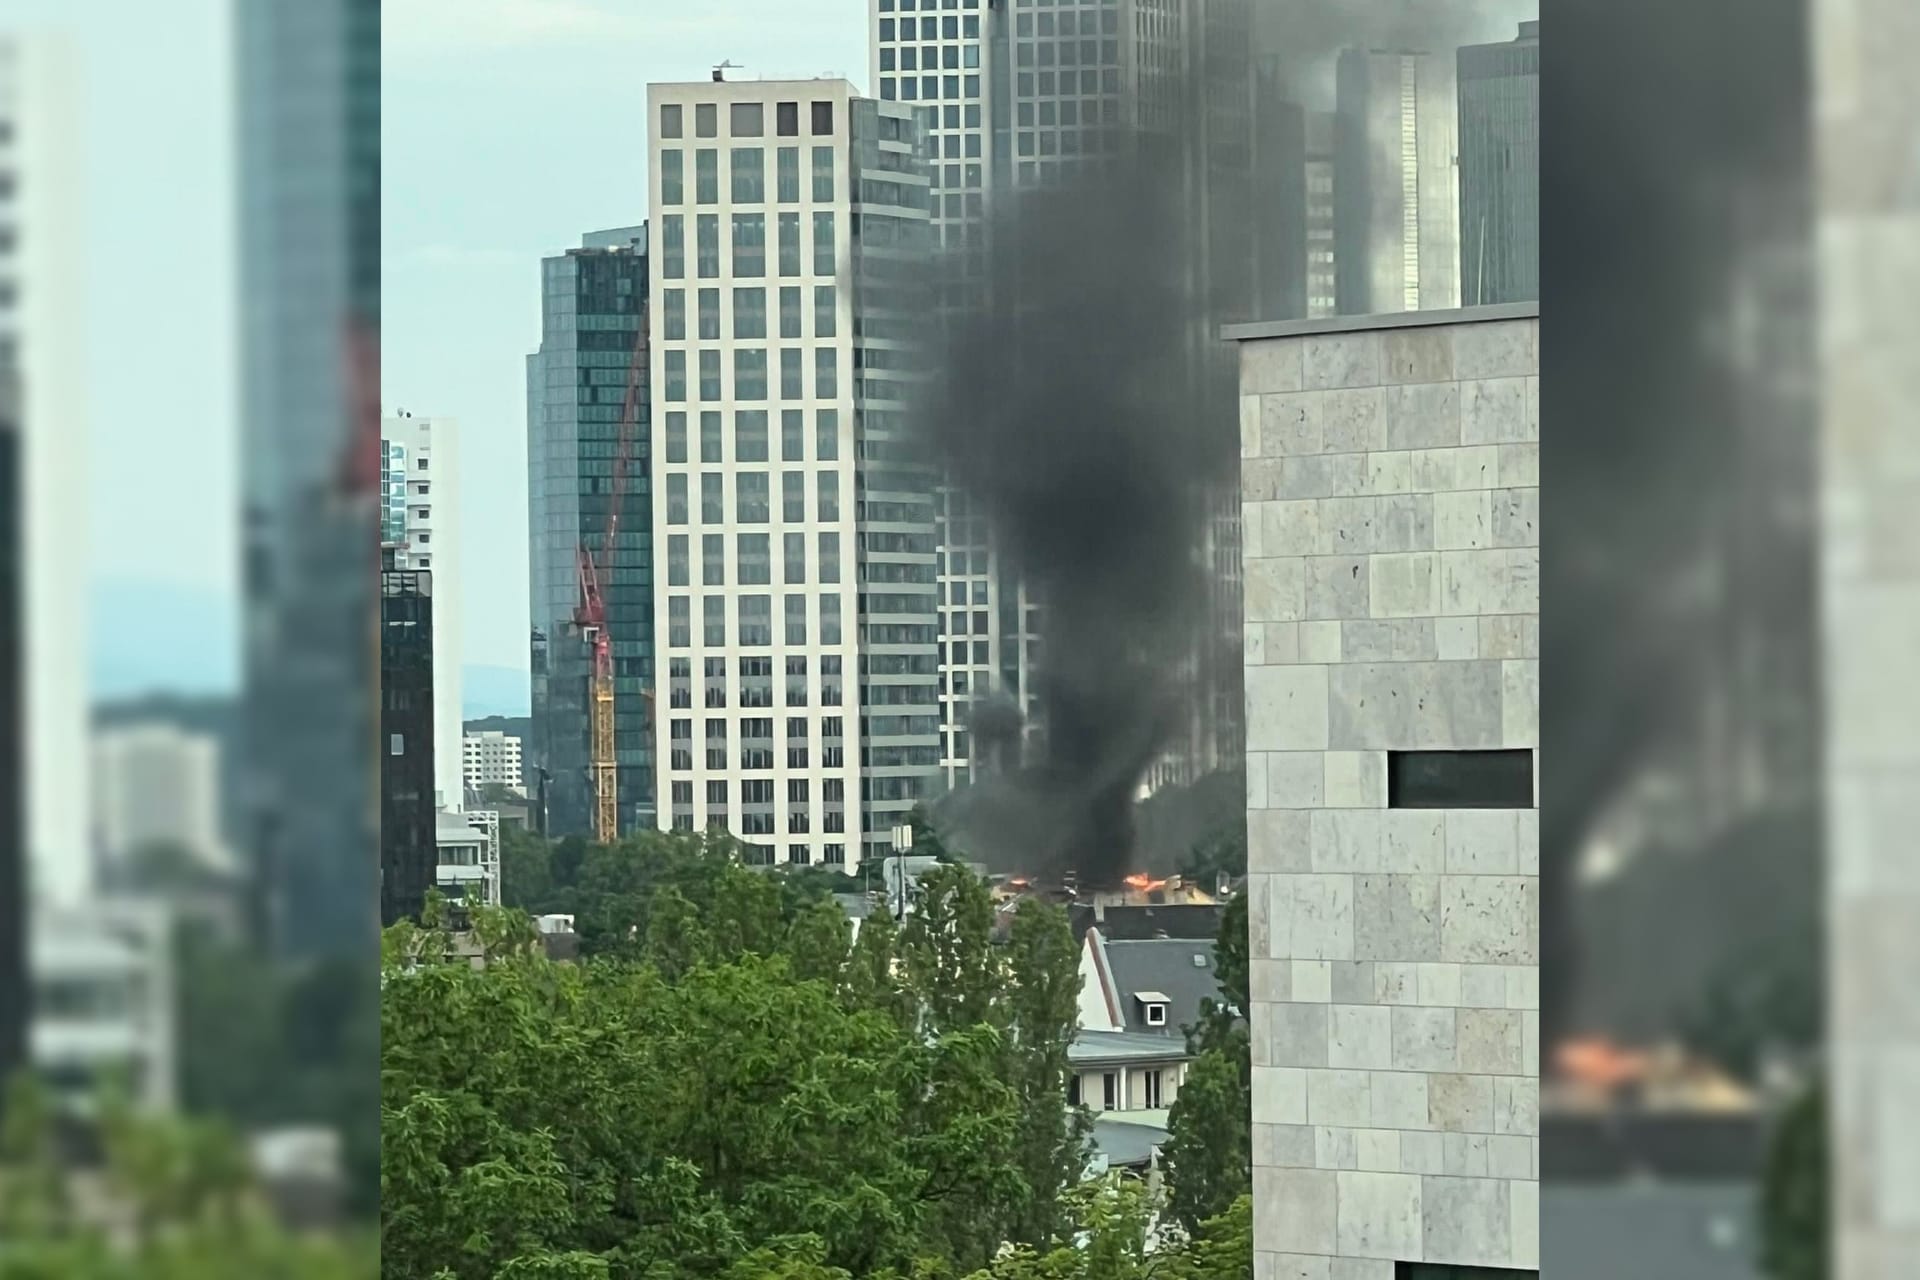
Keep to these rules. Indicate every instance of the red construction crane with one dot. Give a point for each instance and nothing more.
(590, 614)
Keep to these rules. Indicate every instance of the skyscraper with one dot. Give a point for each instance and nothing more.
(1281, 180)
(308, 83)
(1322, 271)
(1396, 199)
(1500, 169)
(796, 523)
(408, 749)
(592, 334)
(1023, 92)
(424, 452)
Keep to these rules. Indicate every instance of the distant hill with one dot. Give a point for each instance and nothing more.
(520, 727)
(494, 691)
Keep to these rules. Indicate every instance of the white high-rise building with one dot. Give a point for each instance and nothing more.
(491, 757)
(157, 783)
(420, 521)
(796, 615)
(1396, 182)
(39, 349)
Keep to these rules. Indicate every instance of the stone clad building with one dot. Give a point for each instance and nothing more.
(1390, 486)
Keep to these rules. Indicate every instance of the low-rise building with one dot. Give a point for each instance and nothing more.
(467, 863)
(103, 1000)
(490, 758)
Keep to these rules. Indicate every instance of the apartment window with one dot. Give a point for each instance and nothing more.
(827, 435)
(709, 321)
(749, 313)
(750, 435)
(793, 496)
(796, 607)
(707, 248)
(1109, 1091)
(753, 505)
(675, 363)
(716, 674)
(672, 176)
(822, 119)
(673, 307)
(670, 120)
(717, 796)
(790, 311)
(797, 682)
(677, 568)
(713, 559)
(826, 373)
(829, 557)
(786, 175)
(706, 176)
(790, 247)
(756, 566)
(745, 119)
(756, 612)
(750, 374)
(749, 244)
(679, 622)
(829, 496)
(822, 174)
(825, 310)
(712, 500)
(677, 498)
(793, 435)
(786, 119)
(830, 680)
(792, 384)
(673, 246)
(795, 550)
(823, 248)
(797, 853)
(710, 442)
(706, 120)
(710, 375)
(1460, 779)
(1150, 1088)
(677, 448)
(830, 618)
(713, 622)
(756, 791)
(834, 854)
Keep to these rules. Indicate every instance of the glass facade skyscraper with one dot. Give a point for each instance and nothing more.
(593, 318)
(1500, 170)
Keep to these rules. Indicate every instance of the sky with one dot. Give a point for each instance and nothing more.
(510, 127)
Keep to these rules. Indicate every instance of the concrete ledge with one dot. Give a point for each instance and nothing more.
(1389, 320)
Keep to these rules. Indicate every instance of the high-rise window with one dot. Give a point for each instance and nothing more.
(749, 175)
(796, 620)
(709, 374)
(745, 119)
(712, 503)
(713, 560)
(706, 176)
(827, 435)
(829, 497)
(677, 568)
(672, 176)
(675, 363)
(750, 373)
(786, 118)
(792, 386)
(749, 244)
(756, 611)
(673, 307)
(754, 505)
(673, 246)
(793, 435)
(795, 550)
(750, 313)
(830, 558)
(826, 380)
(830, 618)
(823, 247)
(707, 232)
(790, 311)
(677, 446)
(790, 245)
(677, 496)
(825, 310)
(793, 497)
(679, 624)
(709, 329)
(787, 175)
(822, 119)
(750, 435)
(822, 174)
(714, 622)
(710, 440)
(670, 124)
(706, 120)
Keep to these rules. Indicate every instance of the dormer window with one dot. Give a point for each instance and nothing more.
(1153, 1007)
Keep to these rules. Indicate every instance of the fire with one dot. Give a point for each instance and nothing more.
(1143, 883)
(1598, 1062)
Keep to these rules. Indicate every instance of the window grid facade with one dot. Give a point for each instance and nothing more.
(829, 198)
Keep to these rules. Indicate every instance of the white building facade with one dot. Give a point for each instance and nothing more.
(157, 783)
(489, 758)
(1390, 472)
(420, 520)
(104, 999)
(795, 618)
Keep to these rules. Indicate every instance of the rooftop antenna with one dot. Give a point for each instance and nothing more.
(719, 72)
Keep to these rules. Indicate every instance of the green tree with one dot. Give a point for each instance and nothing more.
(1043, 986)
(1794, 1234)
(1209, 1151)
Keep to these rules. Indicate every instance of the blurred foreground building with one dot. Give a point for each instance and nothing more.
(157, 784)
(1390, 471)
(104, 1000)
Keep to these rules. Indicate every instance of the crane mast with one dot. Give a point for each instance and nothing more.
(590, 614)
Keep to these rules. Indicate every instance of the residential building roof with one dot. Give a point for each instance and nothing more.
(1197, 921)
(1123, 1144)
(1175, 972)
(1092, 1048)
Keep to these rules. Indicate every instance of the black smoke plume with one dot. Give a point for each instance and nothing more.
(1068, 406)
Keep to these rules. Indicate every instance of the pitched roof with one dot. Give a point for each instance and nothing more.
(1091, 1047)
(1197, 921)
(1125, 1145)
(1174, 971)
